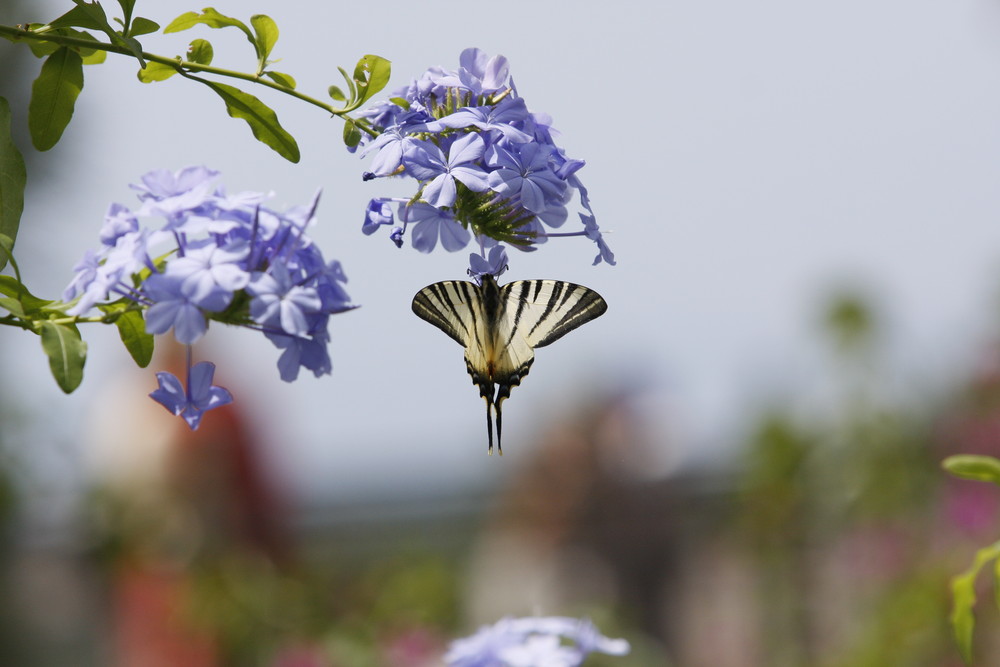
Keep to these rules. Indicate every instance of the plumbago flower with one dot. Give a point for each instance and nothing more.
(532, 642)
(486, 167)
(215, 257)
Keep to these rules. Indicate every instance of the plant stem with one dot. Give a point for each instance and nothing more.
(182, 66)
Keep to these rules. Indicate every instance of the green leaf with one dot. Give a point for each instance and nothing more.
(143, 26)
(66, 352)
(127, 7)
(372, 75)
(95, 57)
(53, 95)
(132, 330)
(261, 118)
(281, 79)
(970, 466)
(13, 287)
(352, 135)
(155, 72)
(336, 93)
(401, 102)
(212, 19)
(266, 31)
(12, 179)
(963, 594)
(91, 15)
(350, 83)
(12, 305)
(7, 253)
(42, 49)
(200, 51)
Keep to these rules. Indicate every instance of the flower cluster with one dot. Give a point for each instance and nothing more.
(486, 166)
(532, 641)
(215, 257)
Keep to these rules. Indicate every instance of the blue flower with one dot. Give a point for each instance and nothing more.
(118, 221)
(377, 213)
(199, 397)
(532, 642)
(496, 264)
(310, 353)
(172, 309)
(280, 304)
(429, 223)
(470, 127)
(594, 234)
(500, 117)
(522, 170)
(174, 194)
(210, 274)
(426, 162)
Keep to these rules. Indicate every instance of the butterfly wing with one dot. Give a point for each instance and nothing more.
(459, 309)
(535, 313)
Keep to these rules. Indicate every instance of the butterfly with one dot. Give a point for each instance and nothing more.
(500, 327)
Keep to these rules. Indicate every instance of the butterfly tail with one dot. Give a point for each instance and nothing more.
(502, 393)
(489, 422)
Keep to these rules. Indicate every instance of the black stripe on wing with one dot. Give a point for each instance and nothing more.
(543, 311)
(453, 306)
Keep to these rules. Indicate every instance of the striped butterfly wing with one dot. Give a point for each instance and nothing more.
(543, 311)
(456, 308)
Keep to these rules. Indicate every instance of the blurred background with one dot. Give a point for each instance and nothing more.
(738, 465)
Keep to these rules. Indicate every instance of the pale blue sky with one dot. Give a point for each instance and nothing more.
(748, 158)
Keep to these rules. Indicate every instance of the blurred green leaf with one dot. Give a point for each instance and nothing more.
(53, 95)
(67, 354)
(132, 330)
(266, 31)
(963, 591)
(200, 51)
(13, 287)
(281, 79)
(12, 179)
(156, 72)
(262, 120)
(143, 26)
(971, 466)
(371, 75)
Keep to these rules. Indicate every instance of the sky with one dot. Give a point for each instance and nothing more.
(748, 159)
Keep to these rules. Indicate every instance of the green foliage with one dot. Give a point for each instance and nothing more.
(963, 589)
(53, 96)
(969, 466)
(156, 72)
(282, 79)
(143, 26)
(200, 51)
(261, 118)
(371, 75)
(91, 15)
(12, 180)
(66, 352)
(132, 330)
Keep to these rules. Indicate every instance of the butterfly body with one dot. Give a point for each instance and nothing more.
(500, 327)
